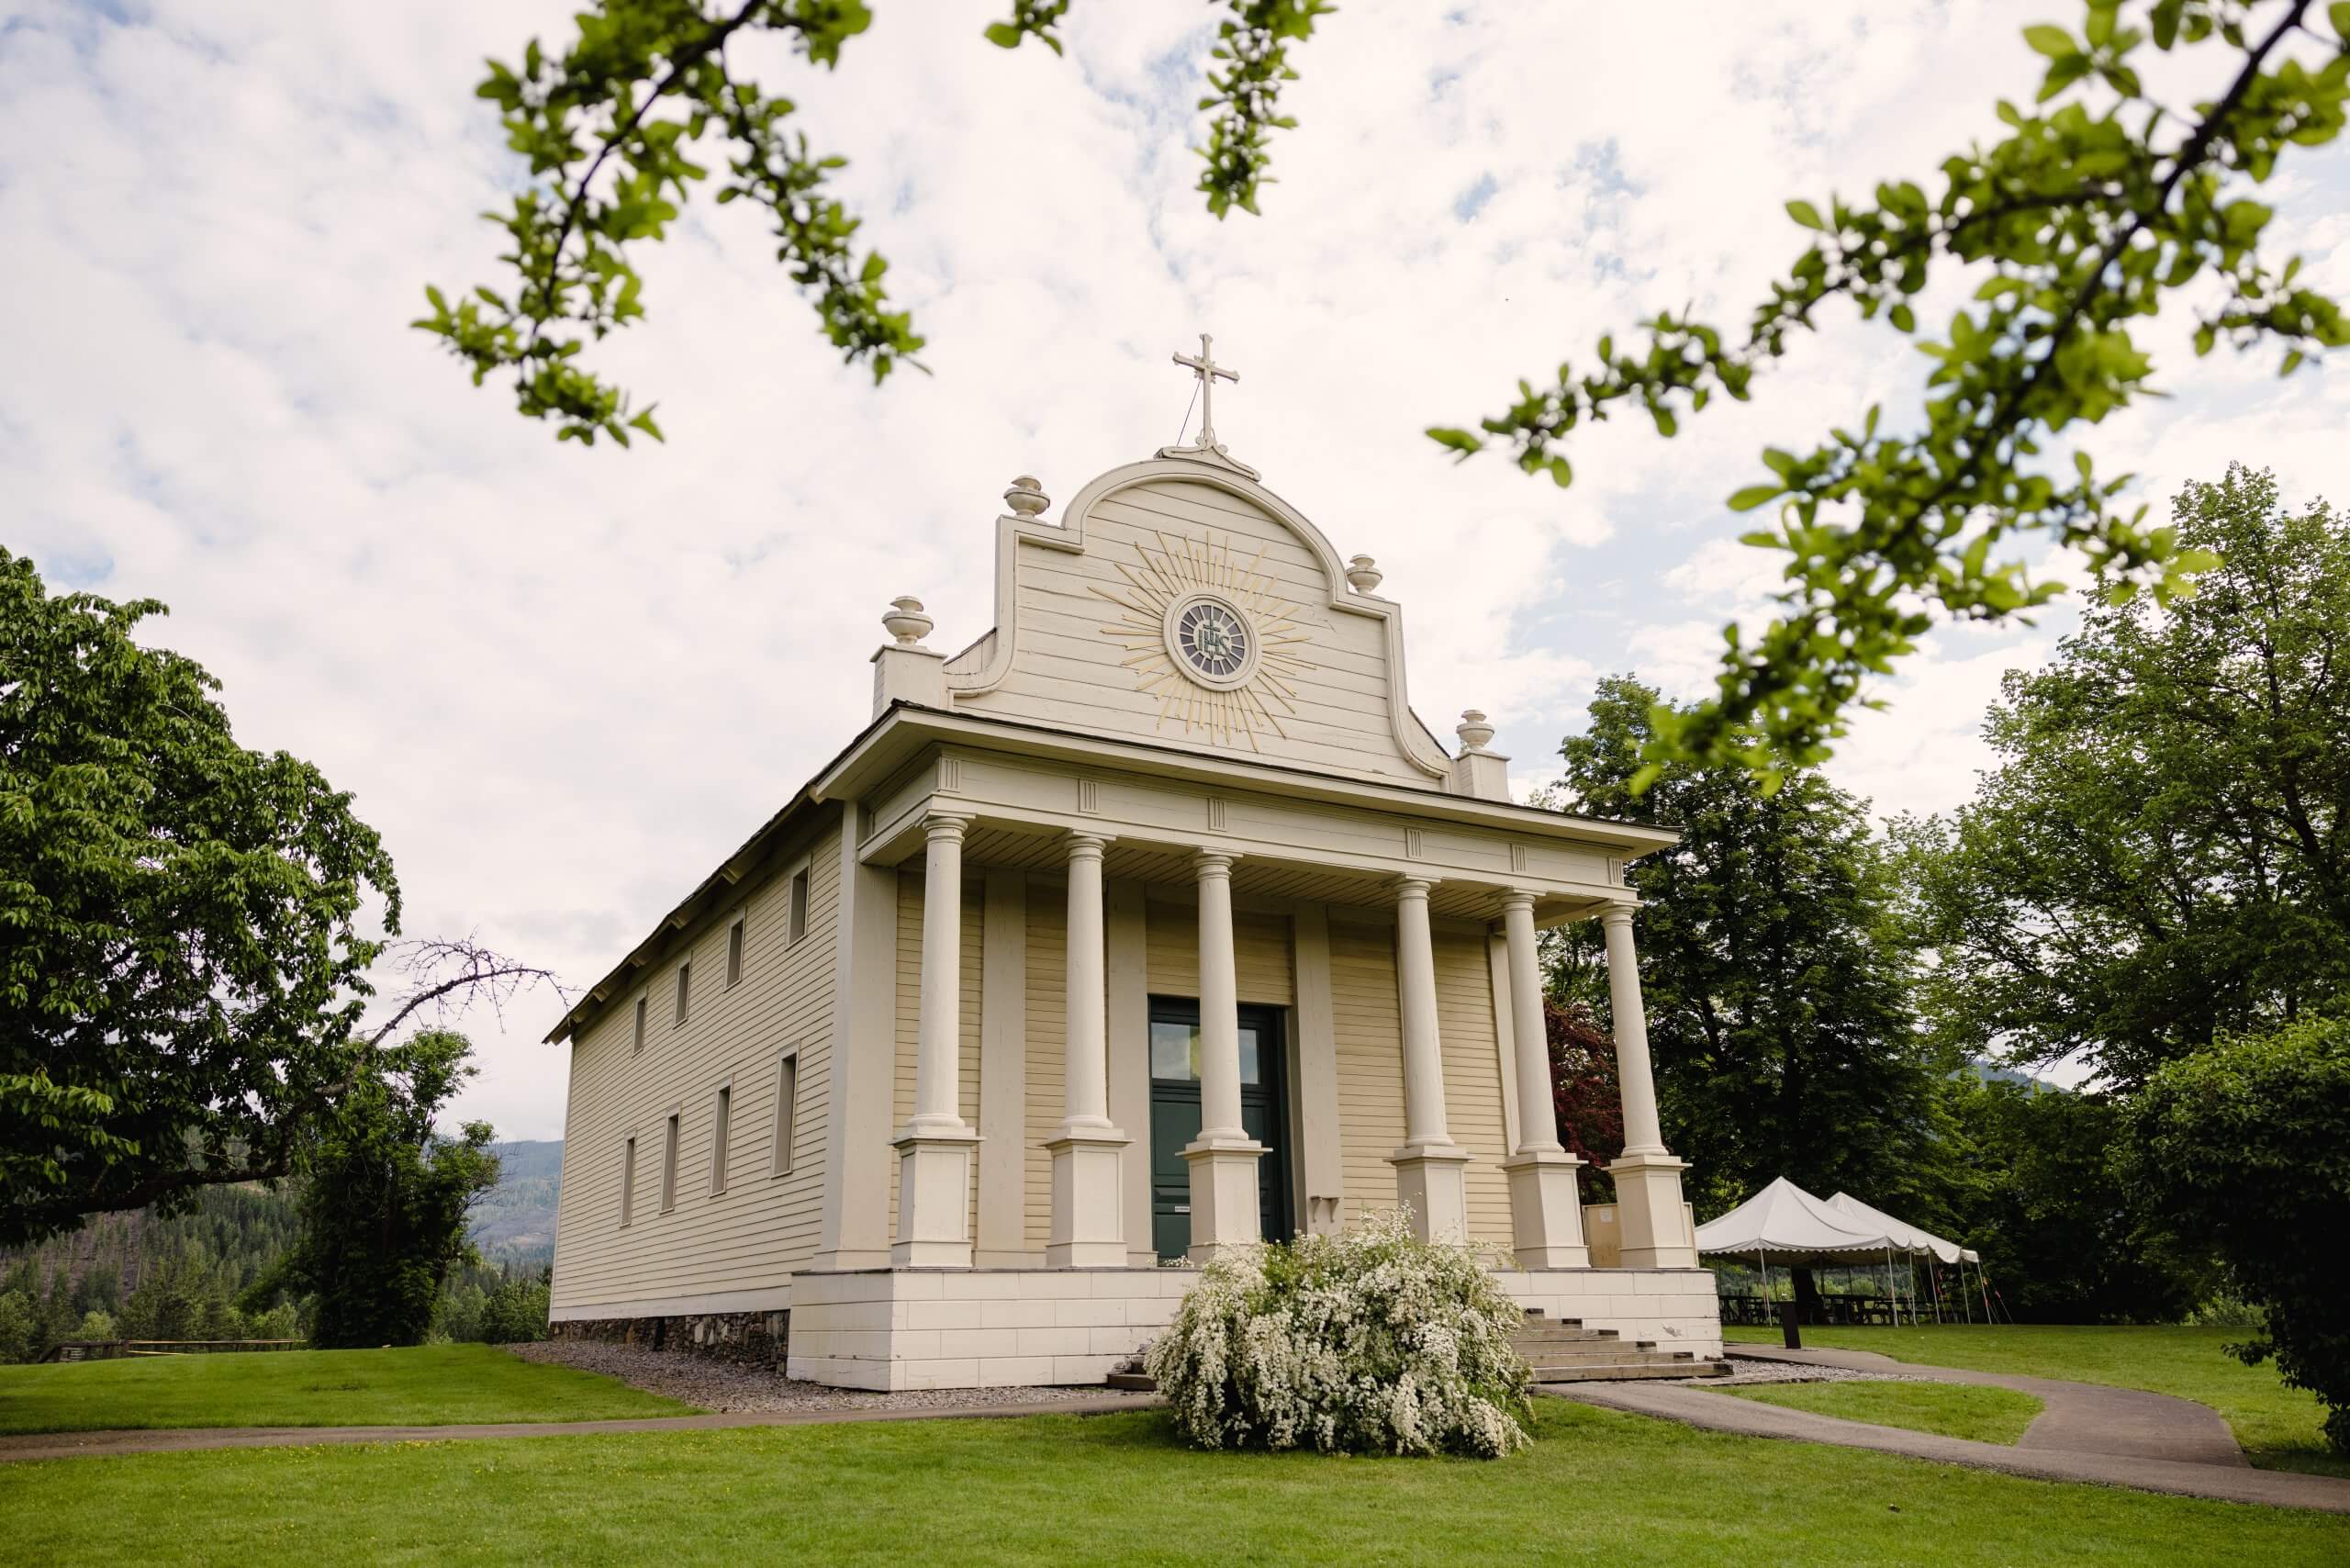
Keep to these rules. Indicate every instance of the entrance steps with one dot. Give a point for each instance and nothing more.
(1559, 1350)
(1563, 1350)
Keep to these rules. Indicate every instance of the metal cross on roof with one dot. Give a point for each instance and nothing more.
(1206, 367)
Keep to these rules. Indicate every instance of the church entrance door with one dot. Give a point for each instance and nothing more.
(1175, 1116)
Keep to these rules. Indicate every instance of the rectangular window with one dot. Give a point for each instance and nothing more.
(669, 1165)
(628, 1178)
(787, 1110)
(798, 916)
(734, 953)
(719, 1116)
(685, 987)
(637, 1044)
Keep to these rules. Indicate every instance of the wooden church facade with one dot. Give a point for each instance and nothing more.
(1151, 923)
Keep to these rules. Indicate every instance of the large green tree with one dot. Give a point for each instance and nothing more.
(2099, 205)
(184, 970)
(385, 1199)
(2163, 852)
(2245, 1146)
(181, 966)
(1777, 986)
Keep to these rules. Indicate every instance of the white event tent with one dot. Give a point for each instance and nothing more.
(1786, 1224)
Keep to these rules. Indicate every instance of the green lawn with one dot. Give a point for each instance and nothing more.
(2279, 1427)
(1599, 1487)
(1952, 1409)
(433, 1384)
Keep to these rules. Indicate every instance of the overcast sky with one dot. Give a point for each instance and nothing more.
(564, 683)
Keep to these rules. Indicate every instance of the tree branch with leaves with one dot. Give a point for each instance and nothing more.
(2087, 220)
(608, 131)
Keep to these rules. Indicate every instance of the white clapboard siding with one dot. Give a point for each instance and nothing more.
(1259, 953)
(909, 897)
(1366, 1018)
(1047, 961)
(1071, 672)
(752, 1235)
(1472, 1078)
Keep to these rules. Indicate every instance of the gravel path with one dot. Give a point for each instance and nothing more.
(1746, 1372)
(722, 1385)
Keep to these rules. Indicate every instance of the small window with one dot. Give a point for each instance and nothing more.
(628, 1178)
(787, 1110)
(798, 913)
(685, 987)
(637, 1044)
(669, 1165)
(734, 953)
(721, 1115)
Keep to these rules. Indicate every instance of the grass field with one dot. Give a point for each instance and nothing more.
(1598, 1487)
(1952, 1409)
(433, 1384)
(2279, 1426)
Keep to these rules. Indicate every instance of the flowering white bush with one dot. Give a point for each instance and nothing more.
(1370, 1342)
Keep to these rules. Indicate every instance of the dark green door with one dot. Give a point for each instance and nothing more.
(1175, 1116)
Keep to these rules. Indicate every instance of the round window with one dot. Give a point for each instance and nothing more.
(1212, 640)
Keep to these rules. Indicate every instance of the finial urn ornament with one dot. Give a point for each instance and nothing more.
(1026, 498)
(1475, 734)
(1363, 574)
(905, 620)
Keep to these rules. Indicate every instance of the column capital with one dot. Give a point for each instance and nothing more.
(1617, 914)
(1517, 898)
(939, 825)
(1087, 846)
(1209, 863)
(1409, 887)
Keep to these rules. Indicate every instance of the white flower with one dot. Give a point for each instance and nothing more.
(1369, 1342)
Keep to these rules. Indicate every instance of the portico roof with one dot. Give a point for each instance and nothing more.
(903, 729)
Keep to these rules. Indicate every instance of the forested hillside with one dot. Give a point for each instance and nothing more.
(133, 1275)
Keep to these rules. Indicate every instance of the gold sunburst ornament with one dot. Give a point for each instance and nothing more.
(1209, 638)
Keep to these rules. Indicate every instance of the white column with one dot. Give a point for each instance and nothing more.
(1657, 1230)
(1428, 1168)
(935, 1150)
(1642, 1132)
(1546, 1209)
(1088, 1223)
(1224, 1158)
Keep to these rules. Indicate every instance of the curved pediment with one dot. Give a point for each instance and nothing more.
(1181, 601)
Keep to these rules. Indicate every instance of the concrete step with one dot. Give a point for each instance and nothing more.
(1625, 1371)
(1134, 1382)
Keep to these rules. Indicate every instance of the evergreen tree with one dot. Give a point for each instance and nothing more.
(385, 1203)
(1775, 983)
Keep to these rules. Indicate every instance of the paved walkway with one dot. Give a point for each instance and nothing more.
(182, 1439)
(2112, 1436)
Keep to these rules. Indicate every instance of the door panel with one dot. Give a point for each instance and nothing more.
(1175, 1116)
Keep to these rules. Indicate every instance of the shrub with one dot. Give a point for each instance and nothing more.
(2245, 1148)
(1369, 1342)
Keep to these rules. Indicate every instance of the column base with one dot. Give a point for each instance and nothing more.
(1546, 1210)
(1224, 1194)
(1655, 1222)
(1088, 1199)
(933, 1199)
(1433, 1179)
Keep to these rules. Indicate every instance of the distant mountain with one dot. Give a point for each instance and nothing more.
(1990, 1072)
(514, 1223)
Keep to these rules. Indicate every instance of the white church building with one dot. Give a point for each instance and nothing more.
(1152, 922)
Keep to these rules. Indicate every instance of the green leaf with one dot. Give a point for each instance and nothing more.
(2052, 41)
(1754, 495)
(1459, 440)
(1803, 212)
(1003, 35)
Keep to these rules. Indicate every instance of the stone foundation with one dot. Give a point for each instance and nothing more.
(748, 1338)
(1677, 1308)
(905, 1328)
(899, 1329)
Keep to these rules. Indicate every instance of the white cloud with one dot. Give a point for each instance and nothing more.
(563, 683)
